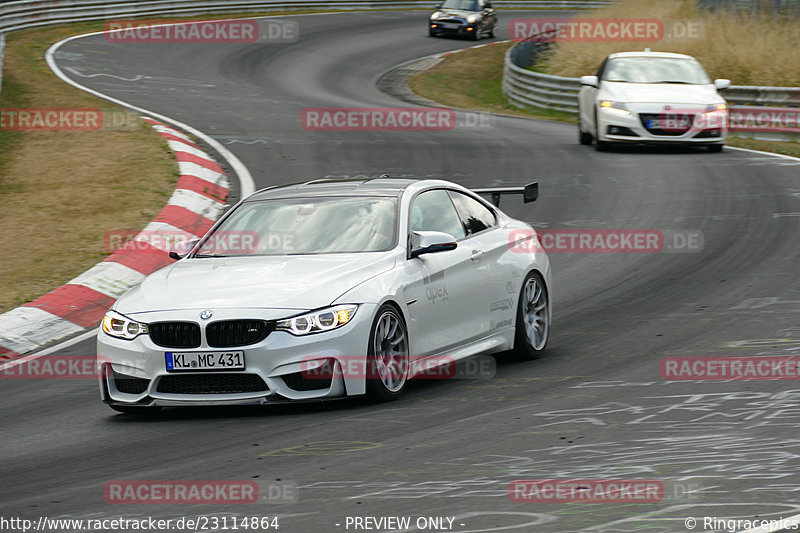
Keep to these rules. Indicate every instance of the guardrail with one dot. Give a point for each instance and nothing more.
(22, 14)
(2, 50)
(526, 88)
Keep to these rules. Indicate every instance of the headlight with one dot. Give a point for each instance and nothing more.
(614, 107)
(436, 15)
(122, 327)
(318, 321)
(472, 19)
(713, 108)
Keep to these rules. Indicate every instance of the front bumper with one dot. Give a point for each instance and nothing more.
(134, 372)
(615, 126)
(460, 29)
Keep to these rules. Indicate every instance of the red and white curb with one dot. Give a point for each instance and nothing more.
(195, 204)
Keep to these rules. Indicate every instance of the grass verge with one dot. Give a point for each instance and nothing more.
(60, 192)
(472, 79)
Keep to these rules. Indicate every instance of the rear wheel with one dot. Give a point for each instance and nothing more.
(533, 318)
(387, 356)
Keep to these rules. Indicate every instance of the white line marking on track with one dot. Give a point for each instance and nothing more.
(246, 183)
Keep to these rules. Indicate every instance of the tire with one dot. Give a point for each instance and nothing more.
(140, 410)
(476, 36)
(715, 148)
(533, 318)
(491, 33)
(387, 356)
(431, 34)
(583, 137)
(600, 146)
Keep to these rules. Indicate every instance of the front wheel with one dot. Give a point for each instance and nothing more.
(533, 318)
(583, 137)
(387, 356)
(600, 146)
(476, 35)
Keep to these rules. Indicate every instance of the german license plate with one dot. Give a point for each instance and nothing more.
(450, 25)
(198, 361)
(669, 123)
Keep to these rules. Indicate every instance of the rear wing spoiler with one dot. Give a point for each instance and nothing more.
(529, 192)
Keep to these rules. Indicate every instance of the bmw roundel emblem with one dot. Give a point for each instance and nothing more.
(205, 315)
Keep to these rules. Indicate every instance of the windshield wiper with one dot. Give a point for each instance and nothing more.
(204, 256)
(674, 81)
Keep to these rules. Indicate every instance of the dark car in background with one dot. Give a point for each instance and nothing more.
(463, 18)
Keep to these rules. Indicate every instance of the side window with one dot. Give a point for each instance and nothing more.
(434, 211)
(475, 216)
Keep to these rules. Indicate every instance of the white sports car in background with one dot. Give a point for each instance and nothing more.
(363, 274)
(647, 97)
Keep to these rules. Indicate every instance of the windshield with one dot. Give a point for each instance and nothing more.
(466, 5)
(305, 226)
(655, 70)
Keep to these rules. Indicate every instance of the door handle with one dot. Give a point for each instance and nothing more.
(476, 255)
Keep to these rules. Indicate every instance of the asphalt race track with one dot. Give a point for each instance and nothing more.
(595, 407)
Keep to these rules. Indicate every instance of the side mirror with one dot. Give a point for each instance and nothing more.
(591, 81)
(429, 242)
(181, 248)
(722, 84)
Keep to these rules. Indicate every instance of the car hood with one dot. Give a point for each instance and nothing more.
(288, 282)
(456, 13)
(662, 93)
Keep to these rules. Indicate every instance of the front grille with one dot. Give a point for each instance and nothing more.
(175, 334)
(300, 381)
(211, 384)
(452, 21)
(130, 384)
(229, 333)
(644, 117)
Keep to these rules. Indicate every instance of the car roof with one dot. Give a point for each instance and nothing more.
(362, 186)
(648, 53)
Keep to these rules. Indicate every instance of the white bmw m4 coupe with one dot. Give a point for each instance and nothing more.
(652, 97)
(327, 289)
